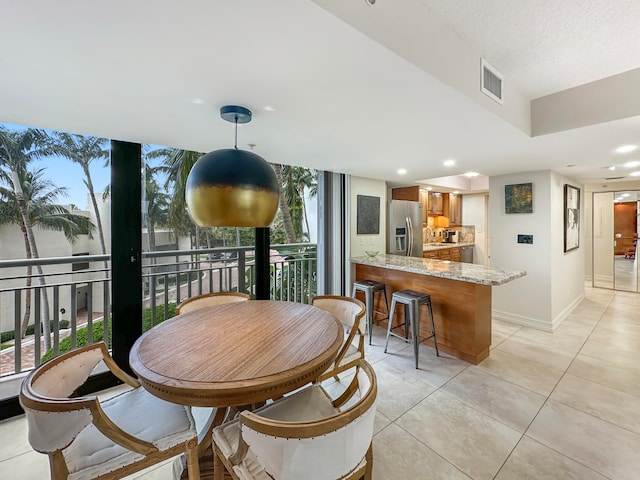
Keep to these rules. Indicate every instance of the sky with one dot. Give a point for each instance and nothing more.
(65, 173)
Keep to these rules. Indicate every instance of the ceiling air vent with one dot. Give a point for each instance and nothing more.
(491, 83)
(614, 178)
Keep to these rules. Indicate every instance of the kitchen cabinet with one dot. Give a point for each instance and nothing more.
(455, 209)
(411, 194)
(424, 199)
(452, 254)
(436, 203)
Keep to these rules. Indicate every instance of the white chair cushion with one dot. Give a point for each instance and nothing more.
(138, 413)
(288, 459)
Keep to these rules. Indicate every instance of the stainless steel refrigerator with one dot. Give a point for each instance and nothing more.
(404, 220)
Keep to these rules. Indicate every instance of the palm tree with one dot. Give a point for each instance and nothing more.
(177, 164)
(83, 150)
(287, 221)
(295, 181)
(17, 149)
(44, 212)
(157, 205)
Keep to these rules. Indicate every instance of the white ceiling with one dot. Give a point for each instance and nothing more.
(157, 71)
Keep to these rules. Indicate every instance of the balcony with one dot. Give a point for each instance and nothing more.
(77, 290)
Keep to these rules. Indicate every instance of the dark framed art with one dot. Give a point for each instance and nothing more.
(368, 215)
(571, 217)
(518, 198)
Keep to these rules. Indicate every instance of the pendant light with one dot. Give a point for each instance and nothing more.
(231, 187)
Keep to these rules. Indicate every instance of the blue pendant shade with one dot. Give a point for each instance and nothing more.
(231, 187)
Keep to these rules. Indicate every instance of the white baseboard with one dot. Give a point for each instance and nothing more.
(538, 323)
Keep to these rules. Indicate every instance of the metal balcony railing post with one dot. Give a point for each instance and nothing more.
(17, 334)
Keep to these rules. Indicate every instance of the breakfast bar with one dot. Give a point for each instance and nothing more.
(460, 296)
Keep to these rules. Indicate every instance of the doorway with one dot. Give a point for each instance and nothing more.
(615, 239)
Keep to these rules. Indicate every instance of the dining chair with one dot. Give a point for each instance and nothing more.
(307, 434)
(210, 299)
(88, 438)
(351, 313)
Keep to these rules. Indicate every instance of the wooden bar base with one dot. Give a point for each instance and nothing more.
(461, 310)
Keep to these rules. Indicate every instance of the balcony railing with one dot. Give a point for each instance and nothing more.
(77, 291)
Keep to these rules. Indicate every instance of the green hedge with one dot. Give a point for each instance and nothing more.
(82, 335)
(11, 334)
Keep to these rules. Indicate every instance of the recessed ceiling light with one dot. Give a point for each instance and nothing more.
(626, 148)
(635, 174)
(402, 171)
(269, 108)
(471, 174)
(635, 163)
(197, 101)
(449, 163)
(456, 192)
(612, 168)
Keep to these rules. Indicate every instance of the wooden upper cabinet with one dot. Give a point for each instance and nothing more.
(455, 209)
(406, 193)
(436, 203)
(424, 199)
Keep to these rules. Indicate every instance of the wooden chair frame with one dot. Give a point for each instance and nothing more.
(32, 400)
(217, 297)
(338, 366)
(310, 429)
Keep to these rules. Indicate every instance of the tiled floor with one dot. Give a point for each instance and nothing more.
(542, 406)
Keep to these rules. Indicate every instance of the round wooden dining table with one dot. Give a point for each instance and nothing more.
(236, 354)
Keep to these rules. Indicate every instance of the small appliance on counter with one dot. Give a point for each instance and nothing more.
(449, 236)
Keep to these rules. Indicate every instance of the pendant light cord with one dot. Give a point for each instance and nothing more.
(236, 145)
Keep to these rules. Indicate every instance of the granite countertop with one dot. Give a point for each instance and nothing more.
(428, 247)
(464, 272)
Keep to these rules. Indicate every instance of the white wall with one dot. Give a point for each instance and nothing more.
(360, 243)
(474, 214)
(555, 281)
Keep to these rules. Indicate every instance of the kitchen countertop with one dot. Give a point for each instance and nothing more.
(428, 247)
(464, 272)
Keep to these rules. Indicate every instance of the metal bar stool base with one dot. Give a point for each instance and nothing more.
(411, 301)
(370, 287)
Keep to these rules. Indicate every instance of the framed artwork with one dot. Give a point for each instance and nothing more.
(571, 217)
(368, 215)
(518, 198)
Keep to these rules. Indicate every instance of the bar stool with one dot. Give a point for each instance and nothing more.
(370, 287)
(411, 301)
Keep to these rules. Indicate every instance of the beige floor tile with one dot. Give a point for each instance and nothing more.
(607, 373)
(399, 455)
(526, 373)
(380, 423)
(497, 338)
(474, 442)
(569, 327)
(553, 357)
(621, 338)
(610, 404)
(398, 391)
(504, 327)
(434, 370)
(375, 352)
(606, 448)
(14, 437)
(533, 461)
(27, 466)
(611, 353)
(512, 405)
(561, 340)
